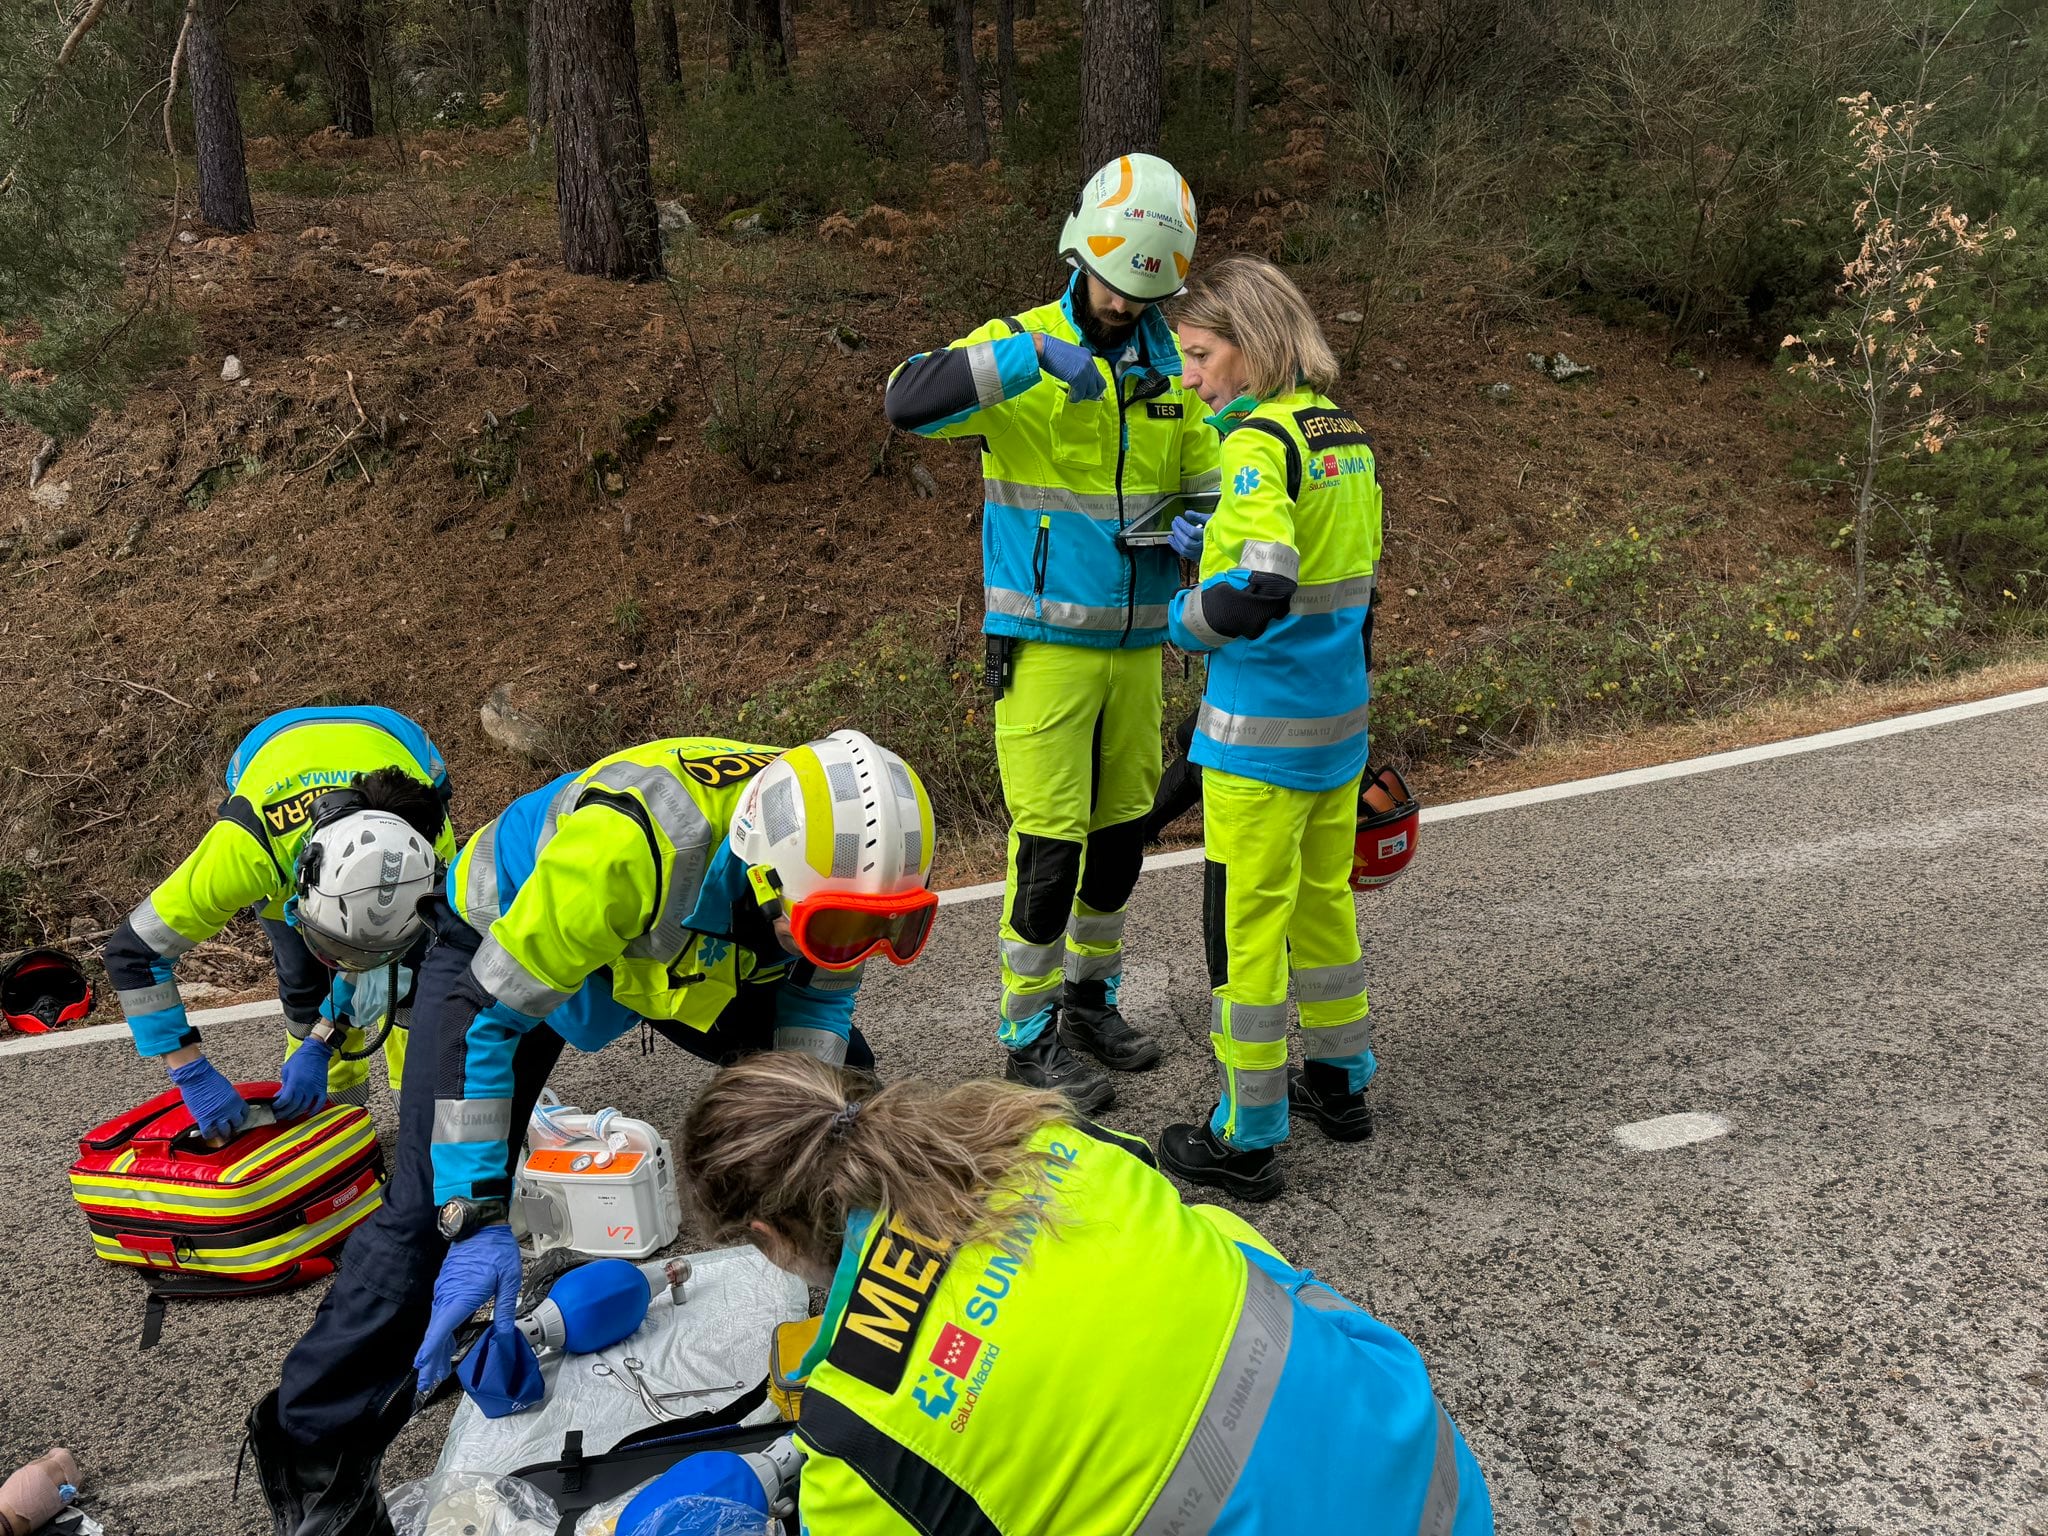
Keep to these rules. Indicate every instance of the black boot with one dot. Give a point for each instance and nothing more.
(329, 1489)
(1195, 1153)
(1089, 1021)
(1320, 1091)
(1047, 1063)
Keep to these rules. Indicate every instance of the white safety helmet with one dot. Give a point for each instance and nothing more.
(837, 835)
(1133, 226)
(359, 879)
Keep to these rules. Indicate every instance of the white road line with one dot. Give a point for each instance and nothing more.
(1684, 768)
(161, 1485)
(93, 1034)
(961, 894)
(1668, 1131)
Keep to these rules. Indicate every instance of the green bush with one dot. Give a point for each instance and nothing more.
(799, 148)
(1622, 630)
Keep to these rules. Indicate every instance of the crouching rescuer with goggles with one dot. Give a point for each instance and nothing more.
(335, 825)
(1026, 1332)
(725, 893)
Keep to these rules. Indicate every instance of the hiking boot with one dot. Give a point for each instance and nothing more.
(324, 1490)
(277, 1461)
(1047, 1063)
(1089, 1021)
(1196, 1154)
(1319, 1092)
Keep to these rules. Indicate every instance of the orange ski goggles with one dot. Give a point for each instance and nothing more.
(836, 930)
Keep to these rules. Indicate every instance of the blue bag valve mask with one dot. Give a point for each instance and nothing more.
(590, 1308)
(693, 1497)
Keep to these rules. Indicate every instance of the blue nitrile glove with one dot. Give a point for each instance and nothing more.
(1186, 537)
(482, 1267)
(1074, 366)
(215, 1107)
(302, 1083)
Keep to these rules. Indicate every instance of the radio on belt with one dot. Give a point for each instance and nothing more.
(601, 1184)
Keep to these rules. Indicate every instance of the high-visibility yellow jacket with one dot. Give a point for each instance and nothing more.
(1115, 1362)
(1062, 477)
(1287, 579)
(603, 898)
(246, 859)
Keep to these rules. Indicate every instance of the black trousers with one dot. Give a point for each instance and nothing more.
(340, 1378)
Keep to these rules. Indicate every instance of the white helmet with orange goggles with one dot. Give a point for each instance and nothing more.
(837, 835)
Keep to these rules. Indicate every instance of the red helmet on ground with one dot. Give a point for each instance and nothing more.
(1389, 818)
(42, 990)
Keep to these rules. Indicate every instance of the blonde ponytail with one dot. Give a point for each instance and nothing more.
(794, 1142)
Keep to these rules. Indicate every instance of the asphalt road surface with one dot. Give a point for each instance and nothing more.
(1832, 1317)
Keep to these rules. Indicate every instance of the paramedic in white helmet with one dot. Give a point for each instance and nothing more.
(1085, 428)
(335, 825)
(724, 893)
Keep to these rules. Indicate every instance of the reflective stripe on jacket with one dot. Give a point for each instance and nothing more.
(1115, 1362)
(247, 857)
(1287, 577)
(1062, 477)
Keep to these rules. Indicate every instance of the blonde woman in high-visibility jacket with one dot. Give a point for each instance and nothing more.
(1084, 425)
(1026, 1333)
(1282, 612)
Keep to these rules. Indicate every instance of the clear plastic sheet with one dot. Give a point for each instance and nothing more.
(699, 1516)
(471, 1504)
(719, 1335)
(603, 1519)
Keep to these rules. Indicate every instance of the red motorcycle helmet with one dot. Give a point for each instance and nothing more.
(43, 990)
(1389, 817)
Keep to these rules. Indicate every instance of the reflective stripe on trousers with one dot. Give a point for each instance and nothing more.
(1221, 1443)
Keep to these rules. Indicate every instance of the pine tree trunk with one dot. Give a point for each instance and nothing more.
(217, 125)
(341, 36)
(938, 15)
(1241, 89)
(864, 17)
(1121, 63)
(604, 186)
(1006, 59)
(785, 30)
(540, 59)
(661, 16)
(970, 83)
(755, 31)
(1027, 10)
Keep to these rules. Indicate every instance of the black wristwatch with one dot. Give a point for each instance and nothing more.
(461, 1218)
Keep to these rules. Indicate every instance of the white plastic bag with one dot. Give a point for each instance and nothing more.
(471, 1504)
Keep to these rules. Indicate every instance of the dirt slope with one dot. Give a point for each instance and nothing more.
(450, 466)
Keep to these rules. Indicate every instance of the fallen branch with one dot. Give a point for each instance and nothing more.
(129, 682)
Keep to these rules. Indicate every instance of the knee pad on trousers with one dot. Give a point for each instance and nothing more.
(1215, 938)
(1115, 857)
(1048, 868)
